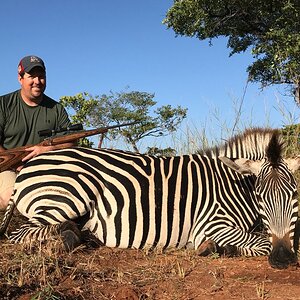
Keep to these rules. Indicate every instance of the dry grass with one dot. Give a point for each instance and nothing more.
(45, 271)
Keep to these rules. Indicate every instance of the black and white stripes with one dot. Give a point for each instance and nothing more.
(138, 201)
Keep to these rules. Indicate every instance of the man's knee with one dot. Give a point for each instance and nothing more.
(4, 199)
(7, 181)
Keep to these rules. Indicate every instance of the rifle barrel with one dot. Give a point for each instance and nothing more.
(12, 158)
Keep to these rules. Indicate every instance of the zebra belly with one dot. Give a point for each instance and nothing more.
(145, 228)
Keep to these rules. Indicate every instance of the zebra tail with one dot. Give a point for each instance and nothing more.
(7, 217)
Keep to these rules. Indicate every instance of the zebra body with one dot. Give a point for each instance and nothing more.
(131, 200)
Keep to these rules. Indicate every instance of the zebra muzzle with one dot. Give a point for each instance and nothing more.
(282, 255)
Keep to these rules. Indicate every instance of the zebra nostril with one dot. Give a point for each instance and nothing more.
(281, 254)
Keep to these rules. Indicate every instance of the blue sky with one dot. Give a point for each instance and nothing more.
(99, 46)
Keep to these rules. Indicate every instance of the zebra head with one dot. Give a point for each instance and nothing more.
(276, 193)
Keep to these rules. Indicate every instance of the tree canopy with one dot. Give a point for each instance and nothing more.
(121, 108)
(271, 29)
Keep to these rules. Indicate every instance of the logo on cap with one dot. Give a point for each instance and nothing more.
(34, 59)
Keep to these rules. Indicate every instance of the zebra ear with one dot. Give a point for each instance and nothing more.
(242, 165)
(293, 163)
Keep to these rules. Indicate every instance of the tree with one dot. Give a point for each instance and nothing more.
(81, 107)
(121, 108)
(161, 152)
(270, 28)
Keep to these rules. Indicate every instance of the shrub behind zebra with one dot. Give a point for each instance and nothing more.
(212, 201)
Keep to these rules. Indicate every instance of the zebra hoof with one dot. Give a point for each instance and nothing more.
(207, 248)
(228, 251)
(71, 235)
(90, 240)
(210, 247)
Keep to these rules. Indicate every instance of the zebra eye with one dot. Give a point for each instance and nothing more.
(258, 196)
(295, 195)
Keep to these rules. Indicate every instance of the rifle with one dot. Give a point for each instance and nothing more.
(12, 158)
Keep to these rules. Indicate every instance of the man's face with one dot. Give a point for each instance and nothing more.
(33, 84)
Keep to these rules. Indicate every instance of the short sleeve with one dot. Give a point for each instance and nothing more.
(64, 120)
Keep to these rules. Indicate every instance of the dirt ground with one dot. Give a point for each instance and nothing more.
(31, 272)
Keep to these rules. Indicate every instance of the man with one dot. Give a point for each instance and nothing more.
(25, 112)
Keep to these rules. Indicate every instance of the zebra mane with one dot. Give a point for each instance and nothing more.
(255, 143)
(274, 150)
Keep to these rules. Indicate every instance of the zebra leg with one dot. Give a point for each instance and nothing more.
(210, 247)
(32, 230)
(7, 217)
(231, 241)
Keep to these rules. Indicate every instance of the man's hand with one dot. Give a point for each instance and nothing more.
(38, 149)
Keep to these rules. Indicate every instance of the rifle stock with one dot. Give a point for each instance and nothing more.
(12, 158)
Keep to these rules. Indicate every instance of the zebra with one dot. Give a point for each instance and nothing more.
(209, 201)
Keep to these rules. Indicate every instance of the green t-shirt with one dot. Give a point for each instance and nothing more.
(20, 123)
